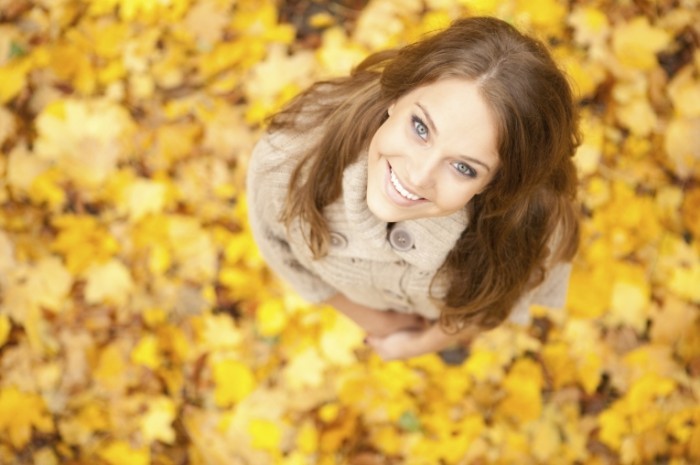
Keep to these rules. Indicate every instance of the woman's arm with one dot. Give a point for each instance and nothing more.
(412, 343)
(377, 323)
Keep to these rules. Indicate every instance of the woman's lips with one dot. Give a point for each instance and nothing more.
(399, 187)
(397, 192)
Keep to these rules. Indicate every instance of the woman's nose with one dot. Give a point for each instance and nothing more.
(421, 173)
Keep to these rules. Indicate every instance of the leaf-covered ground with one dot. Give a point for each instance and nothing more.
(138, 325)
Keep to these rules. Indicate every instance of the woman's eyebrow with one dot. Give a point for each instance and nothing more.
(434, 129)
(427, 116)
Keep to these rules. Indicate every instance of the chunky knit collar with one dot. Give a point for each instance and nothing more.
(433, 238)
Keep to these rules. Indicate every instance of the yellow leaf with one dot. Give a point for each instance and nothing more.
(670, 320)
(340, 339)
(645, 390)
(271, 317)
(234, 381)
(262, 22)
(589, 292)
(83, 138)
(547, 15)
(684, 282)
(82, 241)
(19, 413)
(589, 153)
(156, 424)
(638, 116)
(109, 283)
(589, 368)
(590, 24)
(192, 247)
(613, 427)
(13, 77)
(265, 435)
(23, 168)
(388, 439)
(219, 332)
(636, 43)
(48, 283)
(684, 91)
(44, 456)
(121, 453)
(321, 20)
(691, 212)
(46, 189)
(682, 145)
(630, 304)
(5, 327)
(522, 384)
(146, 352)
(307, 438)
(546, 441)
(143, 197)
(111, 367)
(305, 370)
(206, 21)
(8, 125)
(559, 363)
(337, 55)
(269, 78)
(483, 365)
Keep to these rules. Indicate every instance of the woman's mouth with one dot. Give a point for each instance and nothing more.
(405, 193)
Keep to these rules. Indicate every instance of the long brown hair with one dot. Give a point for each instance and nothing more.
(523, 222)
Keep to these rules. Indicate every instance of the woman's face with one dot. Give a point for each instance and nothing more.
(434, 153)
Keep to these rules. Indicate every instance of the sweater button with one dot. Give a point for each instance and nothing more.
(338, 241)
(400, 239)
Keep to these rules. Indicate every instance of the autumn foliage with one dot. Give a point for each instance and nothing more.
(138, 324)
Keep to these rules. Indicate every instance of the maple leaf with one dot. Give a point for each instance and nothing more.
(636, 43)
(19, 413)
(682, 145)
(591, 25)
(84, 139)
(110, 283)
(339, 54)
(156, 424)
(544, 15)
(13, 77)
(522, 385)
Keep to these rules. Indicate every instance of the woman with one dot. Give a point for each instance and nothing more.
(430, 194)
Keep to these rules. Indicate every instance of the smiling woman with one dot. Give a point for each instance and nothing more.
(430, 194)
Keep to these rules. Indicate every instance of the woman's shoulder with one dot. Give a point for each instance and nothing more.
(282, 149)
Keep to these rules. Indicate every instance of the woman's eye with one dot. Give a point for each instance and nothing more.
(464, 169)
(419, 127)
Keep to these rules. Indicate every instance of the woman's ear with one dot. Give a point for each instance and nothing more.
(391, 108)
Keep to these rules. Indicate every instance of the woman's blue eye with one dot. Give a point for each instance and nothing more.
(466, 170)
(419, 127)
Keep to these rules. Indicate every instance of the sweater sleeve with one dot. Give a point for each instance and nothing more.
(269, 170)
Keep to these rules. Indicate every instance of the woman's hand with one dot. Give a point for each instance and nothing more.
(390, 322)
(397, 346)
(378, 323)
(414, 342)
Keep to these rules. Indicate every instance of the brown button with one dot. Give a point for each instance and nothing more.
(400, 239)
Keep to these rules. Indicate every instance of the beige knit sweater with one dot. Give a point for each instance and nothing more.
(371, 263)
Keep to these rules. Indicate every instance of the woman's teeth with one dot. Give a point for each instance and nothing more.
(402, 190)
